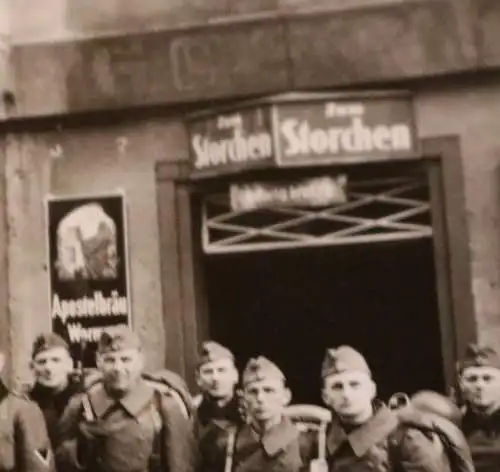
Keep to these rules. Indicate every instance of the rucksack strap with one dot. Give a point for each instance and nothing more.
(230, 449)
(158, 461)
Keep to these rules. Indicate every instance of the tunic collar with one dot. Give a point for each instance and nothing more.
(377, 428)
(133, 402)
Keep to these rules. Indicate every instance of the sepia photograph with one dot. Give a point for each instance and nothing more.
(250, 236)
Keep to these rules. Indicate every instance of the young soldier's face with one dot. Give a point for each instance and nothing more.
(121, 369)
(218, 378)
(51, 368)
(349, 394)
(266, 399)
(480, 386)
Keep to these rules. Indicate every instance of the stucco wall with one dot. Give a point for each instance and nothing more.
(472, 113)
(63, 19)
(86, 161)
(97, 159)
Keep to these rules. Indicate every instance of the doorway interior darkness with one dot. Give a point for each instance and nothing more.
(290, 305)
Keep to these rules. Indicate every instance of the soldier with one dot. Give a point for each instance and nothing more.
(364, 434)
(479, 385)
(52, 367)
(24, 442)
(123, 424)
(269, 441)
(217, 376)
(218, 411)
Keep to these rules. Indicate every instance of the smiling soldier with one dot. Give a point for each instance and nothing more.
(479, 382)
(365, 435)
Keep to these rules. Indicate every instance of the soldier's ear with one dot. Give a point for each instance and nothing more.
(2, 361)
(236, 375)
(68, 362)
(373, 389)
(287, 397)
(197, 377)
(325, 397)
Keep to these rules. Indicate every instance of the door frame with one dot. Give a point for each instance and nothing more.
(183, 292)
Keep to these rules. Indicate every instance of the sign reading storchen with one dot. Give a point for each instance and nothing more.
(345, 129)
(88, 270)
(232, 140)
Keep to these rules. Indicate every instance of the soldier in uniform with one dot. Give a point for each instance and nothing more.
(123, 424)
(479, 385)
(218, 410)
(52, 367)
(364, 434)
(24, 442)
(217, 376)
(268, 441)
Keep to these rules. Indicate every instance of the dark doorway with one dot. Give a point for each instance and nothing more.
(290, 305)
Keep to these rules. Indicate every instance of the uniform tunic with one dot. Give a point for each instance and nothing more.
(212, 426)
(24, 442)
(53, 405)
(142, 432)
(380, 445)
(279, 450)
(483, 435)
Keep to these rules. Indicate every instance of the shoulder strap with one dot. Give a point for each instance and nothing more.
(394, 450)
(158, 461)
(230, 449)
(87, 410)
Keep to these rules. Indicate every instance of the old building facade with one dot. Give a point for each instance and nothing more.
(95, 99)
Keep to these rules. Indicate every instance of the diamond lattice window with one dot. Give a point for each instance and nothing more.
(381, 210)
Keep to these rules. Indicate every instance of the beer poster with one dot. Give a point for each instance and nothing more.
(88, 269)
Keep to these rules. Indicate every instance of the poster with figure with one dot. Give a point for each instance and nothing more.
(88, 269)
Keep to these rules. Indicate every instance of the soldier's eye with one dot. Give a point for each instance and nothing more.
(471, 378)
(354, 384)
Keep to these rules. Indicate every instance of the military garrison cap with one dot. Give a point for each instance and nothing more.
(479, 355)
(261, 368)
(47, 341)
(213, 351)
(343, 359)
(118, 340)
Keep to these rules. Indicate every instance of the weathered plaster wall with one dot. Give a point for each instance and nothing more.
(62, 19)
(473, 113)
(85, 161)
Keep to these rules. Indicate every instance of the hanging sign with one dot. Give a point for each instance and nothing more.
(345, 129)
(313, 192)
(304, 129)
(88, 269)
(231, 141)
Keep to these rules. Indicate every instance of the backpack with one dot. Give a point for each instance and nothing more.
(435, 416)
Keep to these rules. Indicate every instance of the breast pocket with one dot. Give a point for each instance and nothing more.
(288, 460)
